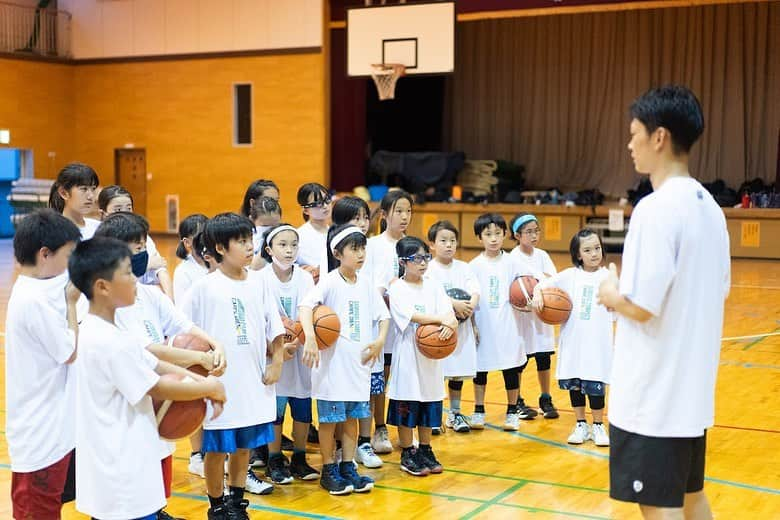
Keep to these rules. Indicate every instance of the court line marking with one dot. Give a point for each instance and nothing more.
(768, 287)
(751, 336)
(495, 500)
(759, 340)
(258, 507)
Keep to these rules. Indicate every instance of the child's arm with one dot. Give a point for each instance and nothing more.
(72, 296)
(311, 352)
(217, 351)
(447, 321)
(167, 389)
(273, 371)
(166, 284)
(374, 349)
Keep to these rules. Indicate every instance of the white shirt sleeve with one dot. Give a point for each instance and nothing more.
(548, 265)
(401, 307)
(46, 327)
(315, 295)
(471, 283)
(172, 320)
(273, 321)
(131, 373)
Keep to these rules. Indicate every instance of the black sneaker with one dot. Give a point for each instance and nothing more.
(547, 408)
(314, 435)
(360, 484)
(437, 431)
(162, 515)
(258, 457)
(526, 413)
(236, 509)
(217, 513)
(333, 482)
(429, 459)
(287, 443)
(278, 470)
(301, 470)
(412, 463)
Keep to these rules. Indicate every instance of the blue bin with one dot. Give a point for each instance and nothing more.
(377, 191)
(9, 172)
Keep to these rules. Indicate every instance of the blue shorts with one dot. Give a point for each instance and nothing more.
(412, 414)
(153, 516)
(232, 439)
(300, 409)
(595, 388)
(377, 383)
(339, 411)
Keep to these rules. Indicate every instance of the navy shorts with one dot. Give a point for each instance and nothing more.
(412, 414)
(300, 409)
(340, 411)
(377, 383)
(232, 439)
(594, 388)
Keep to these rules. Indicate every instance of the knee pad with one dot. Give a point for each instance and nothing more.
(596, 402)
(577, 398)
(542, 361)
(455, 385)
(511, 378)
(481, 379)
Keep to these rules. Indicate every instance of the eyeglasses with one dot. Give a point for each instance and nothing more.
(418, 259)
(530, 232)
(318, 204)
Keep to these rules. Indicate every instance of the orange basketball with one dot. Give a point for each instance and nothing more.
(178, 419)
(520, 298)
(291, 329)
(326, 327)
(431, 346)
(191, 342)
(557, 306)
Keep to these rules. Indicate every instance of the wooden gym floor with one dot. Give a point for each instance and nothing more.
(533, 473)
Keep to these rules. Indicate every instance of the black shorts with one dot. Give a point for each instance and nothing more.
(388, 359)
(655, 471)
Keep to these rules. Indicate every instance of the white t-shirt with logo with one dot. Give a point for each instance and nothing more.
(153, 316)
(295, 380)
(462, 362)
(676, 265)
(311, 245)
(537, 335)
(39, 423)
(500, 344)
(117, 475)
(585, 350)
(413, 376)
(341, 375)
(242, 315)
(185, 274)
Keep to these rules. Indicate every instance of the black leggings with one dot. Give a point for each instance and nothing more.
(455, 385)
(511, 378)
(542, 361)
(578, 399)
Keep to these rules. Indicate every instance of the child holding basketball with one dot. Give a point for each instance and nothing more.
(73, 195)
(585, 352)
(234, 306)
(315, 203)
(288, 285)
(496, 319)
(382, 268)
(539, 338)
(341, 374)
(188, 270)
(40, 343)
(457, 275)
(116, 380)
(415, 388)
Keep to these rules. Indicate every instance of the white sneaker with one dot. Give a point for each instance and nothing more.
(457, 422)
(381, 441)
(580, 434)
(366, 456)
(478, 421)
(512, 422)
(196, 465)
(599, 435)
(256, 486)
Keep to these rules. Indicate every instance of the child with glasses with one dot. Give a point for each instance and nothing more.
(315, 202)
(539, 338)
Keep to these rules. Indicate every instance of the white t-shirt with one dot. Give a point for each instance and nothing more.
(38, 388)
(258, 237)
(676, 265)
(537, 335)
(586, 337)
(152, 317)
(117, 475)
(185, 275)
(341, 375)
(500, 344)
(295, 380)
(311, 245)
(462, 362)
(90, 226)
(381, 266)
(242, 315)
(413, 376)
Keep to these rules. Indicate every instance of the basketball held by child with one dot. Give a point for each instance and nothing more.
(291, 329)
(178, 419)
(557, 306)
(431, 346)
(458, 294)
(327, 327)
(191, 342)
(521, 292)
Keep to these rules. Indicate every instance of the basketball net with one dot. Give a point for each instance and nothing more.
(385, 76)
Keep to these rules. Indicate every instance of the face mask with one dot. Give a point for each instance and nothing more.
(139, 261)
(282, 264)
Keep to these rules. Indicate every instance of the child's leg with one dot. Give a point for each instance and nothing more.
(338, 433)
(300, 434)
(275, 446)
(196, 440)
(349, 439)
(581, 432)
(512, 385)
(364, 427)
(597, 408)
(543, 371)
(214, 465)
(327, 441)
(378, 405)
(237, 464)
(406, 436)
(425, 435)
(455, 389)
(480, 382)
(578, 403)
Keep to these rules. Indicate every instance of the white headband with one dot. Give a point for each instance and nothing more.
(341, 235)
(277, 230)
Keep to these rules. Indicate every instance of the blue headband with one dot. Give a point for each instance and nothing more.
(522, 221)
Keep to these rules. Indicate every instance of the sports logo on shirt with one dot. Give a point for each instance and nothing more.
(239, 321)
(353, 320)
(419, 308)
(286, 302)
(586, 302)
(493, 292)
(151, 332)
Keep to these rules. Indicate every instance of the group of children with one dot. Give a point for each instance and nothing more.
(243, 280)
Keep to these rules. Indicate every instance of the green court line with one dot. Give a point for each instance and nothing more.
(492, 501)
(268, 509)
(758, 340)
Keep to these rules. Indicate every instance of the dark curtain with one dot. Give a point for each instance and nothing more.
(553, 92)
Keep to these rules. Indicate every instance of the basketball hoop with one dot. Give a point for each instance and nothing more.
(385, 75)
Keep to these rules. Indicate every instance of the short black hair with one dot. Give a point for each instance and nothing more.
(574, 246)
(388, 202)
(265, 206)
(442, 225)
(109, 193)
(39, 229)
(265, 254)
(73, 174)
(253, 191)
(674, 108)
(319, 191)
(355, 240)
(188, 228)
(124, 226)
(223, 228)
(406, 247)
(94, 259)
(347, 208)
(484, 221)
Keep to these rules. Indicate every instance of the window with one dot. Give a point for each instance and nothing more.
(242, 114)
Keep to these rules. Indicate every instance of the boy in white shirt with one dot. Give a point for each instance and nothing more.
(676, 276)
(116, 381)
(40, 344)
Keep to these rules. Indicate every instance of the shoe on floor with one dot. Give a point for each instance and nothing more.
(365, 455)
(278, 470)
(477, 421)
(525, 413)
(438, 430)
(360, 483)
(258, 457)
(287, 443)
(412, 463)
(429, 460)
(314, 435)
(196, 465)
(217, 513)
(599, 435)
(257, 486)
(580, 434)
(512, 422)
(301, 470)
(547, 408)
(381, 441)
(457, 422)
(332, 481)
(236, 509)
(162, 515)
